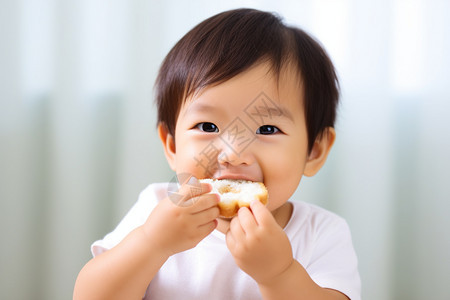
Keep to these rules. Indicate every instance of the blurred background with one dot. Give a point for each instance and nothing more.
(78, 140)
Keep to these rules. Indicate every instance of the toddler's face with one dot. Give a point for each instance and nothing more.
(249, 127)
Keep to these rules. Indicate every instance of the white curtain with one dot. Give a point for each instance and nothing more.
(78, 140)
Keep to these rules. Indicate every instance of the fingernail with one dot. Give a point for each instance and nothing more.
(217, 197)
(193, 180)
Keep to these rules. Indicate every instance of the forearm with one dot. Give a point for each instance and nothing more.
(123, 272)
(295, 283)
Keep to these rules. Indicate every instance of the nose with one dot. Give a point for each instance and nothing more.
(235, 156)
(237, 140)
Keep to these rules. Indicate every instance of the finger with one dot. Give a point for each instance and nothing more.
(203, 202)
(207, 228)
(207, 215)
(229, 239)
(261, 213)
(236, 229)
(193, 187)
(189, 190)
(247, 220)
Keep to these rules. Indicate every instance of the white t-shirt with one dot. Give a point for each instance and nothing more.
(320, 240)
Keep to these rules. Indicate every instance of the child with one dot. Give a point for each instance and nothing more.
(240, 96)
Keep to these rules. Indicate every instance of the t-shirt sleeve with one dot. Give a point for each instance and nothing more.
(334, 262)
(135, 217)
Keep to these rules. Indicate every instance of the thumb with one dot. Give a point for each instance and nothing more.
(261, 213)
(188, 191)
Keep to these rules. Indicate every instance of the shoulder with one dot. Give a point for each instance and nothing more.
(322, 243)
(147, 200)
(307, 215)
(135, 217)
(314, 230)
(156, 191)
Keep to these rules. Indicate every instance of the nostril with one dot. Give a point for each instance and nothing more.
(225, 157)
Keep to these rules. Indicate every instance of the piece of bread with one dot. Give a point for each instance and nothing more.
(235, 194)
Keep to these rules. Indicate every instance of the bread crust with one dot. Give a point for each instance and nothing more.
(230, 208)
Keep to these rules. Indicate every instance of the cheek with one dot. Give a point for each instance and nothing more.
(282, 174)
(195, 158)
(284, 161)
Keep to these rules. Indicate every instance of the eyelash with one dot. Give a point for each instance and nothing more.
(200, 127)
(214, 129)
(273, 129)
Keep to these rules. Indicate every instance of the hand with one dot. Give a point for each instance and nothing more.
(183, 219)
(258, 244)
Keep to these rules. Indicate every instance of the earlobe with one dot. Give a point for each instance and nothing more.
(168, 142)
(319, 152)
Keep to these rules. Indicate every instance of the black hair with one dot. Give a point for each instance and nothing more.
(231, 42)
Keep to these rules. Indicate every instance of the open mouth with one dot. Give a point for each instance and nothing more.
(236, 177)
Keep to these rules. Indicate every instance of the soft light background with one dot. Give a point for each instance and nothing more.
(78, 140)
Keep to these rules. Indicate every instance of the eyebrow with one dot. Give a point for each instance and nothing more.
(196, 107)
(265, 112)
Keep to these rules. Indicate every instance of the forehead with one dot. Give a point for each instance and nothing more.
(257, 91)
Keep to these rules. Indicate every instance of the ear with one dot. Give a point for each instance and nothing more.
(319, 152)
(168, 142)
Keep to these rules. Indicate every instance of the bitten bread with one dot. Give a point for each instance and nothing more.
(235, 194)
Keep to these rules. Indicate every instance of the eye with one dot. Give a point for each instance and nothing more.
(267, 129)
(207, 127)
